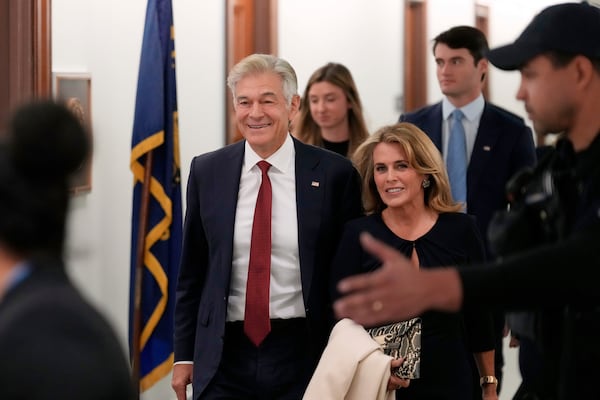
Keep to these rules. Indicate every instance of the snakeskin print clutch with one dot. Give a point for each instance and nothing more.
(401, 339)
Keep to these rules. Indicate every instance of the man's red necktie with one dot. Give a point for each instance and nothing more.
(257, 323)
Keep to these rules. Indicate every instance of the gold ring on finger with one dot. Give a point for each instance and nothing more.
(377, 305)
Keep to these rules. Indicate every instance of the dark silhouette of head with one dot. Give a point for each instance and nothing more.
(45, 143)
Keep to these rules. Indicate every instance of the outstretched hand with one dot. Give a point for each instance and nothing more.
(396, 291)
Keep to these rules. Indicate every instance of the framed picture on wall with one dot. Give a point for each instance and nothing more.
(74, 90)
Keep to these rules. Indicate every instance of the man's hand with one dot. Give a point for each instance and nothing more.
(182, 376)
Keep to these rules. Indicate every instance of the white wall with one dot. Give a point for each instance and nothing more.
(365, 38)
(104, 39)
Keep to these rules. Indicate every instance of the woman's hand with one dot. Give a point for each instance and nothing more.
(396, 382)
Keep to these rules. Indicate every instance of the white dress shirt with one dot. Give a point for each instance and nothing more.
(286, 299)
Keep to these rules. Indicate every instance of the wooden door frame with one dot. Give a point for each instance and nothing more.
(415, 55)
(25, 54)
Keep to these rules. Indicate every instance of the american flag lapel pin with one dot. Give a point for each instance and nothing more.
(314, 184)
(487, 148)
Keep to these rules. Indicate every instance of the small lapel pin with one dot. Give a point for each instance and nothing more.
(314, 184)
(487, 148)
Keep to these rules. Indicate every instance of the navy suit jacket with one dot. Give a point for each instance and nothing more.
(55, 345)
(503, 146)
(204, 277)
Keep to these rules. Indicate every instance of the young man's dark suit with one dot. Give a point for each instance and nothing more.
(503, 146)
(55, 345)
(327, 195)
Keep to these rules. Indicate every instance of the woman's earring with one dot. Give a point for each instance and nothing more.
(426, 183)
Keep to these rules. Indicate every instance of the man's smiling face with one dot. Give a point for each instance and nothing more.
(262, 112)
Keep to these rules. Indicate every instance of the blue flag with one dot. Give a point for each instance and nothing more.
(155, 131)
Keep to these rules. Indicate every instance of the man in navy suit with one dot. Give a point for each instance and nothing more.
(498, 142)
(314, 192)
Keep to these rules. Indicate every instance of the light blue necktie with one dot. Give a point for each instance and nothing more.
(456, 160)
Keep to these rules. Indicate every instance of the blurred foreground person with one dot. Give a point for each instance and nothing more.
(53, 343)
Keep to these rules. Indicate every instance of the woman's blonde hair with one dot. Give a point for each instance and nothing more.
(422, 155)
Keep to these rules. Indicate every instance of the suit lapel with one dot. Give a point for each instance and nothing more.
(310, 189)
(227, 181)
(432, 126)
(483, 148)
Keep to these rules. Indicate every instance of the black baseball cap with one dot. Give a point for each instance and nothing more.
(572, 28)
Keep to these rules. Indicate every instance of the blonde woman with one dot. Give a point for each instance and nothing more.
(409, 205)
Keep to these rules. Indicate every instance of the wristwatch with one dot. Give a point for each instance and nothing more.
(488, 380)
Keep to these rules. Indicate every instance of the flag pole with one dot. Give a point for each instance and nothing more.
(139, 269)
